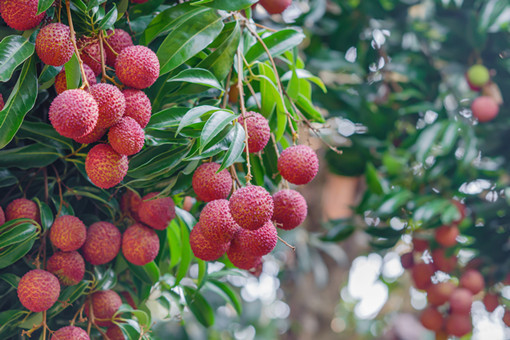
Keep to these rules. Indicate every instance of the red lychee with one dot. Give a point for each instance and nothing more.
(127, 136)
(102, 244)
(251, 207)
(431, 319)
(443, 263)
(438, 294)
(69, 267)
(21, 14)
(61, 81)
(70, 333)
(22, 208)
(156, 213)
(491, 302)
(241, 259)
(258, 131)
(473, 281)
(217, 223)
(115, 333)
(290, 209)
(53, 44)
(137, 67)
(104, 305)
(484, 108)
(130, 203)
(90, 53)
(203, 248)
(407, 260)
(68, 233)
(447, 235)
(117, 41)
(461, 301)
(210, 185)
(422, 273)
(38, 290)
(458, 325)
(96, 134)
(140, 244)
(256, 242)
(138, 106)
(105, 167)
(275, 6)
(420, 245)
(2, 216)
(2, 103)
(298, 164)
(506, 318)
(111, 104)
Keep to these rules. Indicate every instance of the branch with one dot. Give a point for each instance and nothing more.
(73, 40)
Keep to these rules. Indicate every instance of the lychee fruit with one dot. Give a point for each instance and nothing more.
(61, 81)
(105, 167)
(102, 244)
(137, 67)
(420, 245)
(290, 209)
(38, 290)
(442, 262)
(473, 281)
(210, 185)
(438, 294)
(115, 333)
(53, 44)
(138, 106)
(257, 242)
(140, 244)
(127, 136)
(458, 325)
(461, 301)
(70, 333)
(2, 216)
(241, 259)
(96, 134)
(217, 223)
(104, 305)
(506, 317)
(90, 53)
(22, 208)
(157, 213)
(251, 207)
(484, 109)
(258, 131)
(431, 319)
(202, 247)
(407, 260)
(2, 103)
(68, 233)
(447, 235)
(298, 164)
(139, 1)
(69, 267)
(478, 75)
(117, 41)
(111, 104)
(21, 14)
(422, 273)
(74, 113)
(130, 203)
(491, 302)
(275, 6)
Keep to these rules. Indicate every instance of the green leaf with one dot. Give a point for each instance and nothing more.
(44, 134)
(340, 230)
(45, 213)
(73, 73)
(69, 295)
(109, 19)
(30, 156)
(11, 279)
(148, 273)
(13, 253)
(393, 202)
(167, 20)
(373, 180)
(197, 76)
(174, 243)
(304, 74)
(44, 5)
(227, 5)
(14, 50)
(130, 329)
(195, 113)
(185, 253)
(167, 118)
(277, 43)
(18, 234)
(216, 123)
(427, 139)
(236, 147)
(199, 306)
(309, 110)
(229, 294)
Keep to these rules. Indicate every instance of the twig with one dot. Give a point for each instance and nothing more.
(233, 173)
(227, 89)
(288, 245)
(243, 112)
(73, 40)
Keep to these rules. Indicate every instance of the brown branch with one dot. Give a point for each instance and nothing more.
(73, 40)
(243, 112)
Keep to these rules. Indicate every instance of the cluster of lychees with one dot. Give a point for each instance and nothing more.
(485, 107)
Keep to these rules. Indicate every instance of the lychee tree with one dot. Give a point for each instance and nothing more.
(139, 139)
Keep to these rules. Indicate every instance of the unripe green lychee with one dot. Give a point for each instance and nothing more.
(478, 75)
(256, 242)
(138, 106)
(461, 301)
(422, 274)
(290, 209)
(137, 67)
(127, 136)
(473, 281)
(68, 233)
(210, 185)
(102, 244)
(111, 104)
(74, 113)
(115, 333)
(217, 223)
(275, 6)
(70, 333)
(140, 244)
(21, 14)
(69, 267)
(258, 131)
(96, 134)
(241, 259)
(431, 318)
(438, 294)
(251, 207)
(90, 53)
(203, 248)
(22, 208)
(484, 109)
(298, 164)
(447, 235)
(105, 167)
(104, 305)
(2, 216)
(61, 81)
(38, 290)
(117, 41)
(130, 203)
(156, 213)
(458, 325)
(53, 44)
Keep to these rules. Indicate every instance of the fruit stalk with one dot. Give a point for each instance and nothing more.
(73, 40)
(243, 112)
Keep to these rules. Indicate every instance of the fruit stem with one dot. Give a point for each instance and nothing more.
(240, 73)
(76, 51)
(101, 49)
(233, 173)
(227, 90)
(288, 245)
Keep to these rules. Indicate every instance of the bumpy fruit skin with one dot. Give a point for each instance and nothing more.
(130, 203)
(102, 244)
(61, 81)
(473, 281)
(478, 75)
(21, 14)
(38, 290)
(275, 6)
(431, 319)
(140, 244)
(127, 136)
(69, 267)
(104, 305)
(298, 164)
(2, 216)
(96, 134)
(22, 208)
(461, 301)
(438, 294)
(111, 104)
(137, 67)
(251, 207)
(447, 235)
(90, 53)
(138, 106)
(458, 325)
(203, 248)
(68, 233)
(70, 333)
(421, 273)
(241, 259)
(442, 262)
(74, 113)
(258, 131)
(209, 185)
(484, 109)
(53, 44)
(217, 223)
(105, 167)
(156, 213)
(117, 41)
(491, 302)
(290, 209)
(115, 333)
(257, 242)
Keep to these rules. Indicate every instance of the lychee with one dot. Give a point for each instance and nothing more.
(140, 244)
(473, 281)
(127, 136)
(442, 262)
(217, 223)
(478, 75)
(2, 216)
(407, 260)
(438, 294)
(420, 245)
(298, 164)
(210, 185)
(22, 208)
(137, 67)
(431, 319)
(484, 108)
(69, 267)
(70, 333)
(138, 106)
(290, 209)
(203, 248)
(447, 235)
(21, 14)
(251, 207)
(241, 259)
(102, 244)
(139, 1)
(458, 325)
(506, 317)
(256, 242)
(104, 305)
(130, 203)
(74, 113)
(422, 273)
(90, 53)
(461, 301)
(61, 81)
(258, 131)
(491, 302)
(157, 213)
(2, 103)
(105, 167)
(96, 134)
(68, 233)
(117, 41)
(111, 104)
(115, 333)
(38, 290)
(275, 6)
(53, 44)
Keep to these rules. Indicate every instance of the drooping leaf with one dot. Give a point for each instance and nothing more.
(277, 43)
(30, 156)
(14, 50)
